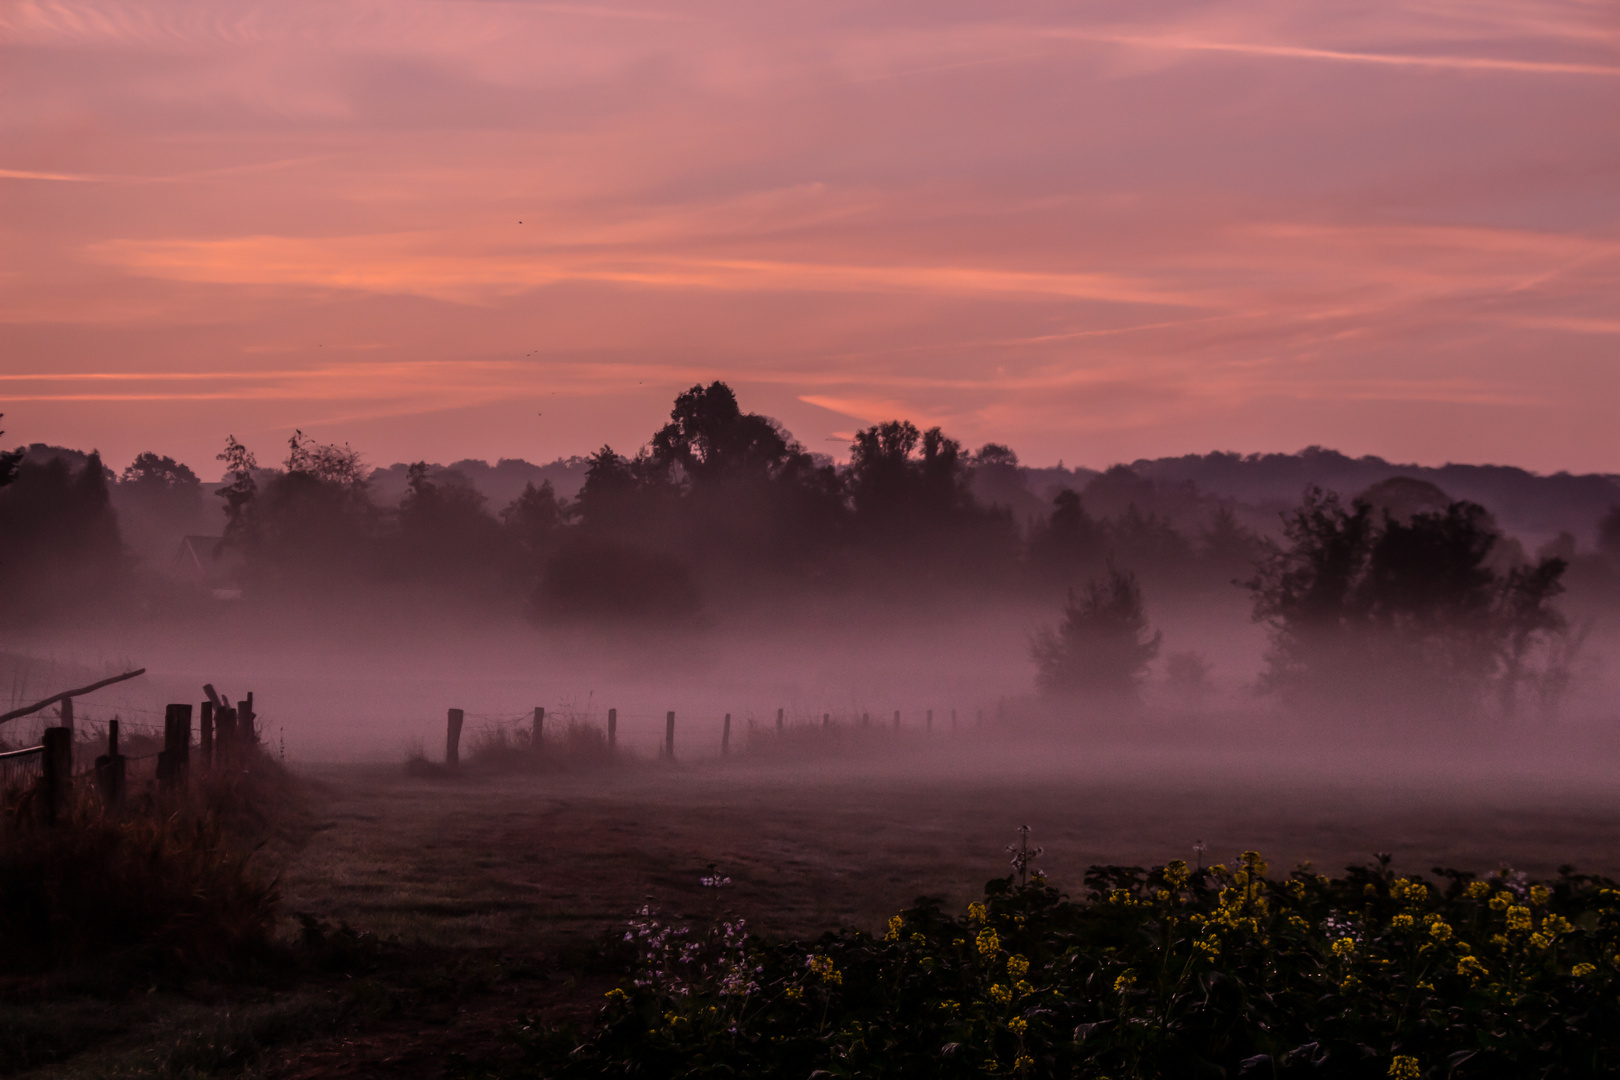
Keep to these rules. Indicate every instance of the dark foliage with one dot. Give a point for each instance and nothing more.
(1410, 609)
(1169, 972)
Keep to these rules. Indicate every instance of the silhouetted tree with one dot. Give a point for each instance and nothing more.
(1070, 544)
(241, 491)
(709, 437)
(445, 534)
(9, 460)
(59, 538)
(1398, 611)
(535, 517)
(1102, 645)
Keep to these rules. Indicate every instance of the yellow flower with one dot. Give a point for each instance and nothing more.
(895, 923)
(1539, 894)
(918, 939)
(949, 1006)
(1017, 1025)
(1254, 863)
(1401, 922)
(1344, 947)
(1518, 918)
(989, 944)
(1000, 994)
(1555, 924)
(1350, 983)
(793, 993)
(616, 995)
(1162, 895)
(976, 912)
(1470, 967)
(1124, 982)
(1023, 1063)
(1440, 931)
(1023, 987)
(1296, 889)
(1540, 941)
(1477, 890)
(1404, 1067)
(1299, 922)
(1499, 940)
(1175, 874)
(1499, 902)
(1581, 971)
(1017, 967)
(823, 966)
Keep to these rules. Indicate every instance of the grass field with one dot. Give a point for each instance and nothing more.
(507, 881)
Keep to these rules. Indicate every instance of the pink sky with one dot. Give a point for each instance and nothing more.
(1095, 231)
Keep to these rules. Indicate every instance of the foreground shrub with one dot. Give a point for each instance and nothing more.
(1167, 972)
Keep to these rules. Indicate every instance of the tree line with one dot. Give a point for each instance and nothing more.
(722, 506)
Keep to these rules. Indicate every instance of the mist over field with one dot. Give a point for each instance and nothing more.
(722, 569)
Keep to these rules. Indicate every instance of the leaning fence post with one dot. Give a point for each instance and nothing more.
(539, 727)
(779, 721)
(613, 729)
(205, 738)
(929, 726)
(953, 721)
(66, 713)
(826, 719)
(669, 734)
(452, 739)
(245, 717)
(897, 719)
(56, 777)
(725, 737)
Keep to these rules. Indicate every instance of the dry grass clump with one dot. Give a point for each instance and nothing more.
(580, 745)
(165, 885)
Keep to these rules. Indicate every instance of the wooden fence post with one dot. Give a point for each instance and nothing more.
(929, 725)
(174, 761)
(669, 734)
(613, 729)
(205, 735)
(953, 721)
(897, 719)
(246, 728)
(67, 713)
(224, 731)
(56, 778)
(779, 721)
(725, 737)
(866, 719)
(110, 770)
(539, 728)
(452, 739)
(826, 719)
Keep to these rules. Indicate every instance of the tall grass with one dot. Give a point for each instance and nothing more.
(166, 884)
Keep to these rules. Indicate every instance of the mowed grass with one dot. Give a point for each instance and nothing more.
(534, 863)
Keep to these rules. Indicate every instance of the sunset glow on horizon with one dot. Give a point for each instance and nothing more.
(1094, 232)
